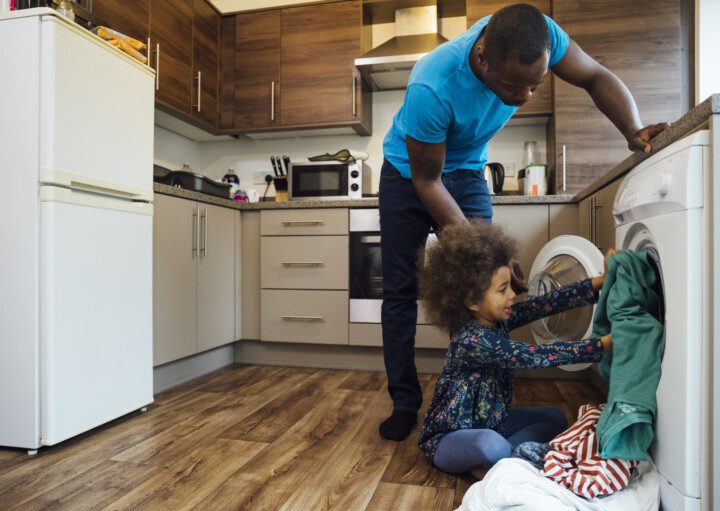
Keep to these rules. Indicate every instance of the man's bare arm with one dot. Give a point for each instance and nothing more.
(610, 95)
(426, 164)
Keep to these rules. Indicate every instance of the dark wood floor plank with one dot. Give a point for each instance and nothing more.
(365, 380)
(463, 482)
(273, 419)
(234, 371)
(269, 479)
(175, 442)
(191, 478)
(408, 464)
(93, 489)
(412, 498)
(348, 478)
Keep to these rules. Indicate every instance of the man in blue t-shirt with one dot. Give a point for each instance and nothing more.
(458, 97)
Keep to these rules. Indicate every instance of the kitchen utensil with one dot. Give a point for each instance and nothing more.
(495, 177)
(536, 179)
(531, 154)
(274, 166)
(231, 177)
(286, 161)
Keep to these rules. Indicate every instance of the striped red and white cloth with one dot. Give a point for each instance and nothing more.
(574, 463)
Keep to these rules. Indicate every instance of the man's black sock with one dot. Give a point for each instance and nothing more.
(398, 425)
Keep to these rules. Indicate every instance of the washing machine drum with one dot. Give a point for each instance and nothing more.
(564, 260)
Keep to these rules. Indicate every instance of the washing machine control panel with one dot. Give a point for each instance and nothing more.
(662, 185)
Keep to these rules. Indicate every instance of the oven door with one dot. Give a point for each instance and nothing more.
(366, 283)
(318, 181)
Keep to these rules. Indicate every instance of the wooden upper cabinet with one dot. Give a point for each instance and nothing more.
(171, 25)
(205, 63)
(226, 85)
(131, 17)
(542, 102)
(643, 48)
(319, 84)
(257, 69)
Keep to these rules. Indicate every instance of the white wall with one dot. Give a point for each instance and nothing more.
(248, 156)
(707, 42)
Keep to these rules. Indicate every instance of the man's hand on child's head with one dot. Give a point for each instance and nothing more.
(518, 283)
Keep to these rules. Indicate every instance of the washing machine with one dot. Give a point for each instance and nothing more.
(659, 210)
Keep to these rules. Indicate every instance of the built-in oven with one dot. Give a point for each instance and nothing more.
(366, 282)
(365, 266)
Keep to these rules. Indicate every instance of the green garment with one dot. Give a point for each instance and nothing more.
(628, 308)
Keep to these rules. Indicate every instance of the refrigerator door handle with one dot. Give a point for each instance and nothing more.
(69, 196)
(85, 183)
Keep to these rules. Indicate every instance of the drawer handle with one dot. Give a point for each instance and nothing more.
(308, 264)
(306, 319)
(302, 224)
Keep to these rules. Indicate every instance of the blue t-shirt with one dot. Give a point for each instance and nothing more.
(446, 102)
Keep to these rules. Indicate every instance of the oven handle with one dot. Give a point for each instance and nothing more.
(308, 319)
(369, 239)
(307, 264)
(302, 224)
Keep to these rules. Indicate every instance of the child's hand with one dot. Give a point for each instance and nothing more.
(597, 282)
(606, 341)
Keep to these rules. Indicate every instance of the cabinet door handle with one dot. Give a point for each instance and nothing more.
(199, 80)
(598, 227)
(157, 66)
(149, 54)
(302, 224)
(308, 264)
(354, 94)
(195, 231)
(196, 234)
(272, 101)
(306, 319)
(592, 220)
(203, 247)
(564, 152)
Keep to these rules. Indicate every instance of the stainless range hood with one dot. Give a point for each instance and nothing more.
(388, 66)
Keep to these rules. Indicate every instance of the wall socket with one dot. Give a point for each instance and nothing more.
(259, 178)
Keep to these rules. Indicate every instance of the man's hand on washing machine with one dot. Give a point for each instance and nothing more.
(597, 282)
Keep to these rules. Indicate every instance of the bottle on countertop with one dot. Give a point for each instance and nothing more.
(231, 177)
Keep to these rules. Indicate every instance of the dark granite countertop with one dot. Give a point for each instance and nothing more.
(369, 202)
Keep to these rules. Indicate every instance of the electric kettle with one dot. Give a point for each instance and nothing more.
(495, 177)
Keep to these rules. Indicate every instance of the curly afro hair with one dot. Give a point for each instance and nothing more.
(460, 267)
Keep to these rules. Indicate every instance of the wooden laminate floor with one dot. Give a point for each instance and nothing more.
(254, 437)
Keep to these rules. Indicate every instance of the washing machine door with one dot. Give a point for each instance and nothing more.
(562, 261)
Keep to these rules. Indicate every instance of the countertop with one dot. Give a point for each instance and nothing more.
(693, 120)
(369, 202)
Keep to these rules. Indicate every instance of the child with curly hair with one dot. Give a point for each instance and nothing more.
(465, 282)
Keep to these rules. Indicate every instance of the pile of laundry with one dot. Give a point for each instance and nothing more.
(131, 46)
(601, 461)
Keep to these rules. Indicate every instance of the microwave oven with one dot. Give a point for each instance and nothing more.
(327, 180)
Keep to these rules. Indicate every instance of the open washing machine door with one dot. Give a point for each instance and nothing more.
(562, 261)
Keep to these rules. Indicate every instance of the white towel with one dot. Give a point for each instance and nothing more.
(514, 484)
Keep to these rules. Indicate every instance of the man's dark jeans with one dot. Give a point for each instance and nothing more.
(404, 227)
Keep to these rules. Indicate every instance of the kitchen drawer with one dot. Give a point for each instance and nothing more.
(313, 317)
(370, 334)
(303, 222)
(304, 262)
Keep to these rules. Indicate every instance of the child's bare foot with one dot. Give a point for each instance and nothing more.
(479, 472)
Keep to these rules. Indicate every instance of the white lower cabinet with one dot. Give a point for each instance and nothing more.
(193, 277)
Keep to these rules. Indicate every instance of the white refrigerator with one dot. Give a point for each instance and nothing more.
(76, 150)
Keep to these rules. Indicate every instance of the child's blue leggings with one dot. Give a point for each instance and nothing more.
(464, 449)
